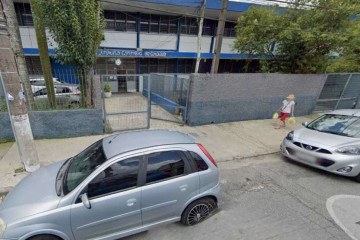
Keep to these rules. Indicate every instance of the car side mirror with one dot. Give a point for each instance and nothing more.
(304, 124)
(85, 200)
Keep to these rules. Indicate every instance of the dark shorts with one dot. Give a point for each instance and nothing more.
(283, 116)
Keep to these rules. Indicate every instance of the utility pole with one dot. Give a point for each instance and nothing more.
(201, 23)
(219, 37)
(9, 76)
(13, 28)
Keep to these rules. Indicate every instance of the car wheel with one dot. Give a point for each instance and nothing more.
(198, 211)
(45, 237)
(357, 178)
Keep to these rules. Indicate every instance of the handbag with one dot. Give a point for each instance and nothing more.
(275, 116)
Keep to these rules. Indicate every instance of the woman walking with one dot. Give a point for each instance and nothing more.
(286, 109)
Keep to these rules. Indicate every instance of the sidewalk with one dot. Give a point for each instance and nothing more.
(226, 141)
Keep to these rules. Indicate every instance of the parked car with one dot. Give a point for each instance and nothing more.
(40, 81)
(121, 185)
(64, 95)
(331, 143)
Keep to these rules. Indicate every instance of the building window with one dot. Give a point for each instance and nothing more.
(209, 27)
(23, 14)
(109, 20)
(189, 26)
(145, 23)
(186, 66)
(120, 21)
(229, 30)
(154, 23)
(154, 65)
(33, 65)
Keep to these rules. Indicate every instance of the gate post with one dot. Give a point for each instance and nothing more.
(149, 101)
(344, 89)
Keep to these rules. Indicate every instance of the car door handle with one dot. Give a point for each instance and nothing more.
(131, 202)
(183, 188)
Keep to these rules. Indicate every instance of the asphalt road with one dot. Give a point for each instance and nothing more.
(269, 197)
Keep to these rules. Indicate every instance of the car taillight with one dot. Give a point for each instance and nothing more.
(203, 149)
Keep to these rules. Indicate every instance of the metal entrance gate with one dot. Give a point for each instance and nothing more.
(128, 107)
(341, 91)
(135, 98)
(169, 96)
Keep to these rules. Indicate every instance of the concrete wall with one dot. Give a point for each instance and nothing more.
(58, 124)
(72, 123)
(61, 123)
(233, 97)
(6, 132)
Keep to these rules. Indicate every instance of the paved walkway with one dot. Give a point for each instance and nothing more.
(225, 142)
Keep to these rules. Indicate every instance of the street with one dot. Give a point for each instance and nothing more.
(267, 197)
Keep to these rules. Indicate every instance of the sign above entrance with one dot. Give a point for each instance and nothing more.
(130, 53)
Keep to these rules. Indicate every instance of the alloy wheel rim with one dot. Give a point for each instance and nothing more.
(198, 213)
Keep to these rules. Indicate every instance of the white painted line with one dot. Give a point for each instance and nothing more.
(330, 203)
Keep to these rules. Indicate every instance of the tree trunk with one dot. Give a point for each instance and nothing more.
(17, 47)
(44, 52)
(90, 88)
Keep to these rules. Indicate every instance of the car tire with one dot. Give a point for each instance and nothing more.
(357, 178)
(45, 237)
(198, 211)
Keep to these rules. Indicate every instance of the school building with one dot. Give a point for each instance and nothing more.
(149, 36)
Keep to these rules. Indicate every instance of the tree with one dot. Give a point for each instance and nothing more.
(297, 39)
(78, 29)
(43, 50)
(349, 57)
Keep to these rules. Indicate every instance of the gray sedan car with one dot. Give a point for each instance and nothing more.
(331, 143)
(120, 185)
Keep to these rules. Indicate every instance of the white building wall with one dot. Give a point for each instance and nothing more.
(227, 45)
(189, 44)
(114, 39)
(28, 37)
(158, 41)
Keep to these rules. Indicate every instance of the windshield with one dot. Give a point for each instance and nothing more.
(82, 165)
(337, 124)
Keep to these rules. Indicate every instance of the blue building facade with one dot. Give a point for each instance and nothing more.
(150, 36)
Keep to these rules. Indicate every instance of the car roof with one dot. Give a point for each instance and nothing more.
(128, 141)
(347, 112)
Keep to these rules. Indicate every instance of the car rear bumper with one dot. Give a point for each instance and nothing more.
(331, 162)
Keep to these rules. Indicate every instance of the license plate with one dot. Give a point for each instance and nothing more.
(305, 157)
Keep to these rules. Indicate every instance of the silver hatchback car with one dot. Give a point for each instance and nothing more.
(120, 185)
(330, 142)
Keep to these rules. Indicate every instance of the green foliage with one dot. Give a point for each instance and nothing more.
(107, 87)
(349, 58)
(3, 106)
(297, 39)
(77, 27)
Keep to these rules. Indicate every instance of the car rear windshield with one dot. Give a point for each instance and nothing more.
(82, 165)
(343, 125)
